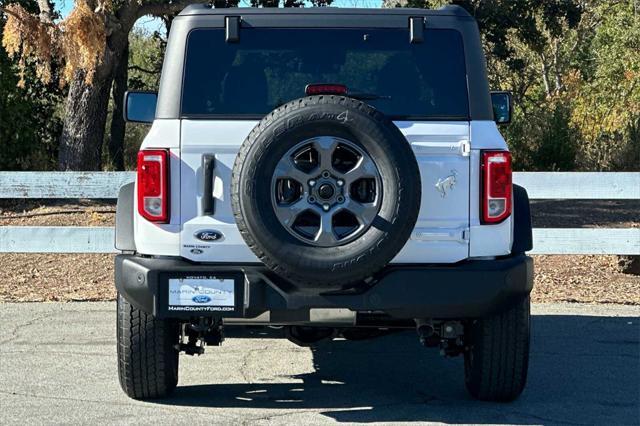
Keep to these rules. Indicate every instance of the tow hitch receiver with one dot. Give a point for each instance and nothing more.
(449, 336)
(207, 331)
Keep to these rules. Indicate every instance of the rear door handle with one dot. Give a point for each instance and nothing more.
(208, 165)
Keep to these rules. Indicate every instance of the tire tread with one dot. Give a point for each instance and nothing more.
(147, 360)
(497, 361)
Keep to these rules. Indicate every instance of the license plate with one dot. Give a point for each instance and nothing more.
(208, 294)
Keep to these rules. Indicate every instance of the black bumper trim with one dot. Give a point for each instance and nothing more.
(470, 289)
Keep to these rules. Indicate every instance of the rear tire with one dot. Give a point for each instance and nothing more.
(498, 358)
(147, 357)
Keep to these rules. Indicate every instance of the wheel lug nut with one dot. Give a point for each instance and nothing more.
(340, 182)
(325, 207)
(326, 174)
(312, 182)
(340, 199)
(311, 199)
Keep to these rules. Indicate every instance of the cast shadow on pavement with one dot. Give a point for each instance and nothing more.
(583, 370)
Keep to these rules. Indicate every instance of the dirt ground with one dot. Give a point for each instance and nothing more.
(89, 277)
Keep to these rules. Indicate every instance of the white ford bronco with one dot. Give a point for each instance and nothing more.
(333, 172)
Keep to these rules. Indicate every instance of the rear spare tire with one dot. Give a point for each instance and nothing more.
(325, 191)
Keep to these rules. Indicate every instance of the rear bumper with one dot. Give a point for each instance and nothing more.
(471, 289)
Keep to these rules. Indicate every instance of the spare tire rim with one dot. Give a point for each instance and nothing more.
(326, 191)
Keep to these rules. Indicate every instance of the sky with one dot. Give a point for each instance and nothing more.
(151, 24)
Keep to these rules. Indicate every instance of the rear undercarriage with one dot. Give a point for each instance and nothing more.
(425, 297)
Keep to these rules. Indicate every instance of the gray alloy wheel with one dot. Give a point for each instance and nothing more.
(326, 191)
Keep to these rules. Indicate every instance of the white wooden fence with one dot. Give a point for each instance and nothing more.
(539, 185)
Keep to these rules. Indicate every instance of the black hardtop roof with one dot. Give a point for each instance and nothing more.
(237, 20)
(204, 9)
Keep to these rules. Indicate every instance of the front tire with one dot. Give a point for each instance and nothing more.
(498, 357)
(147, 357)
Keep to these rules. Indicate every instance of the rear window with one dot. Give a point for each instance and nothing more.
(270, 67)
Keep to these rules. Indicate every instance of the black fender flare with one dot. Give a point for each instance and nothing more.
(522, 234)
(124, 219)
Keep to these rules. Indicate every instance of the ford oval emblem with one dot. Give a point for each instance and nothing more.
(208, 235)
(201, 299)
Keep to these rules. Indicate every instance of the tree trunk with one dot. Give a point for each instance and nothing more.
(118, 125)
(545, 76)
(84, 122)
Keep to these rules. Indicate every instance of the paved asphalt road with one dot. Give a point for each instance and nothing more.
(57, 366)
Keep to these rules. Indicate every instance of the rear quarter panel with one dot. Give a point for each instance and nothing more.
(485, 240)
(162, 239)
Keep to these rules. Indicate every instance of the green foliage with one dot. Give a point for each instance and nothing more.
(544, 141)
(145, 59)
(606, 95)
(30, 124)
(628, 158)
(574, 69)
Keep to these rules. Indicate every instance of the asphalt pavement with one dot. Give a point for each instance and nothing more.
(58, 366)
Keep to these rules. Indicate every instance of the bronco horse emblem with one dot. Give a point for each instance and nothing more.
(446, 184)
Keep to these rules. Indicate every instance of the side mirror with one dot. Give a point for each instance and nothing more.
(140, 107)
(501, 102)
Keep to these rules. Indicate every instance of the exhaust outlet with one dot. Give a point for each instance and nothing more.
(306, 336)
(427, 333)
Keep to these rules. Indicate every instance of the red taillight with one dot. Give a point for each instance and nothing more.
(153, 185)
(325, 89)
(496, 186)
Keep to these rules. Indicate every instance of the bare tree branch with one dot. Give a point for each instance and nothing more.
(144, 70)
